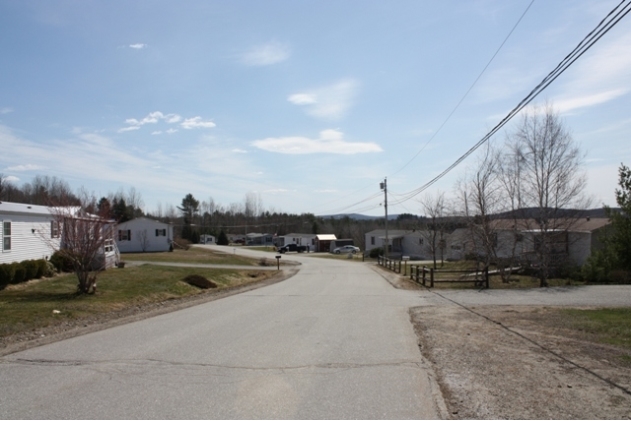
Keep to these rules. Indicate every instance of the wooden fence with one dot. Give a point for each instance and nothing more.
(429, 276)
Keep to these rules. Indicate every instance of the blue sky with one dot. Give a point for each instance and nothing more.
(309, 104)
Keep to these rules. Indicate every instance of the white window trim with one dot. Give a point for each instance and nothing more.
(7, 236)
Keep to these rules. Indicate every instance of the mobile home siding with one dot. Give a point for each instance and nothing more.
(157, 236)
(30, 238)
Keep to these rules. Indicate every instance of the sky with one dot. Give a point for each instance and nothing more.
(307, 104)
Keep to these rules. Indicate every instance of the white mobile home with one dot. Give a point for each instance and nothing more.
(36, 232)
(27, 231)
(207, 239)
(143, 235)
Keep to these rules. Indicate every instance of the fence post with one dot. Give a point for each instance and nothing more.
(423, 275)
(417, 268)
(431, 277)
(486, 276)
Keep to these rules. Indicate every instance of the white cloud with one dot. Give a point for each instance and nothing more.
(27, 167)
(128, 129)
(330, 141)
(197, 122)
(302, 99)
(156, 132)
(276, 191)
(239, 151)
(137, 46)
(6, 110)
(151, 118)
(599, 77)
(171, 131)
(329, 102)
(565, 105)
(12, 179)
(266, 54)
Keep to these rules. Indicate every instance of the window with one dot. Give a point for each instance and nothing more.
(124, 235)
(6, 236)
(161, 233)
(372, 241)
(108, 246)
(54, 229)
(421, 241)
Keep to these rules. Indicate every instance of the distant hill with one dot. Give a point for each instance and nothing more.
(358, 217)
(522, 213)
(534, 213)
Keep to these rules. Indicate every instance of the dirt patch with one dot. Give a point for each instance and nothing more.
(510, 362)
(72, 328)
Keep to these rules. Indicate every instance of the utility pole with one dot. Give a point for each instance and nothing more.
(384, 187)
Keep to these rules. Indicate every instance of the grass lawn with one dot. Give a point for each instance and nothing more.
(607, 325)
(270, 249)
(192, 255)
(30, 306)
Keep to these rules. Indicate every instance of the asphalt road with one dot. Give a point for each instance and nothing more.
(334, 341)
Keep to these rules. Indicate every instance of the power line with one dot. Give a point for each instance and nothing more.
(453, 110)
(586, 43)
(466, 93)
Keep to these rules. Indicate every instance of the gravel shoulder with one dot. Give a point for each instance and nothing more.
(514, 362)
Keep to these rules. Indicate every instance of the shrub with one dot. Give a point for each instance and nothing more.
(182, 243)
(61, 262)
(19, 274)
(31, 268)
(49, 269)
(376, 252)
(200, 282)
(7, 273)
(42, 264)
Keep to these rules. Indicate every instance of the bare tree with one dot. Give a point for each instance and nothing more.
(551, 181)
(86, 239)
(434, 208)
(4, 186)
(143, 238)
(134, 199)
(480, 196)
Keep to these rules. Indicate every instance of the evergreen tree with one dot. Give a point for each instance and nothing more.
(222, 240)
(620, 239)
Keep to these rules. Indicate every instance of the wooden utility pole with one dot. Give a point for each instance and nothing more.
(384, 187)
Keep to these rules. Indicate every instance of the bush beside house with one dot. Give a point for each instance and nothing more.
(18, 272)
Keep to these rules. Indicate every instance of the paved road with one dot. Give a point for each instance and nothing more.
(334, 341)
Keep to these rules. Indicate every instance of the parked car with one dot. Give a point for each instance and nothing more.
(292, 247)
(346, 249)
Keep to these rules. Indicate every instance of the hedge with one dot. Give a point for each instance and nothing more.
(17, 272)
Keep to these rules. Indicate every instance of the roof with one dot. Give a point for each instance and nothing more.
(298, 235)
(24, 208)
(28, 209)
(583, 224)
(391, 233)
(326, 237)
(146, 219)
